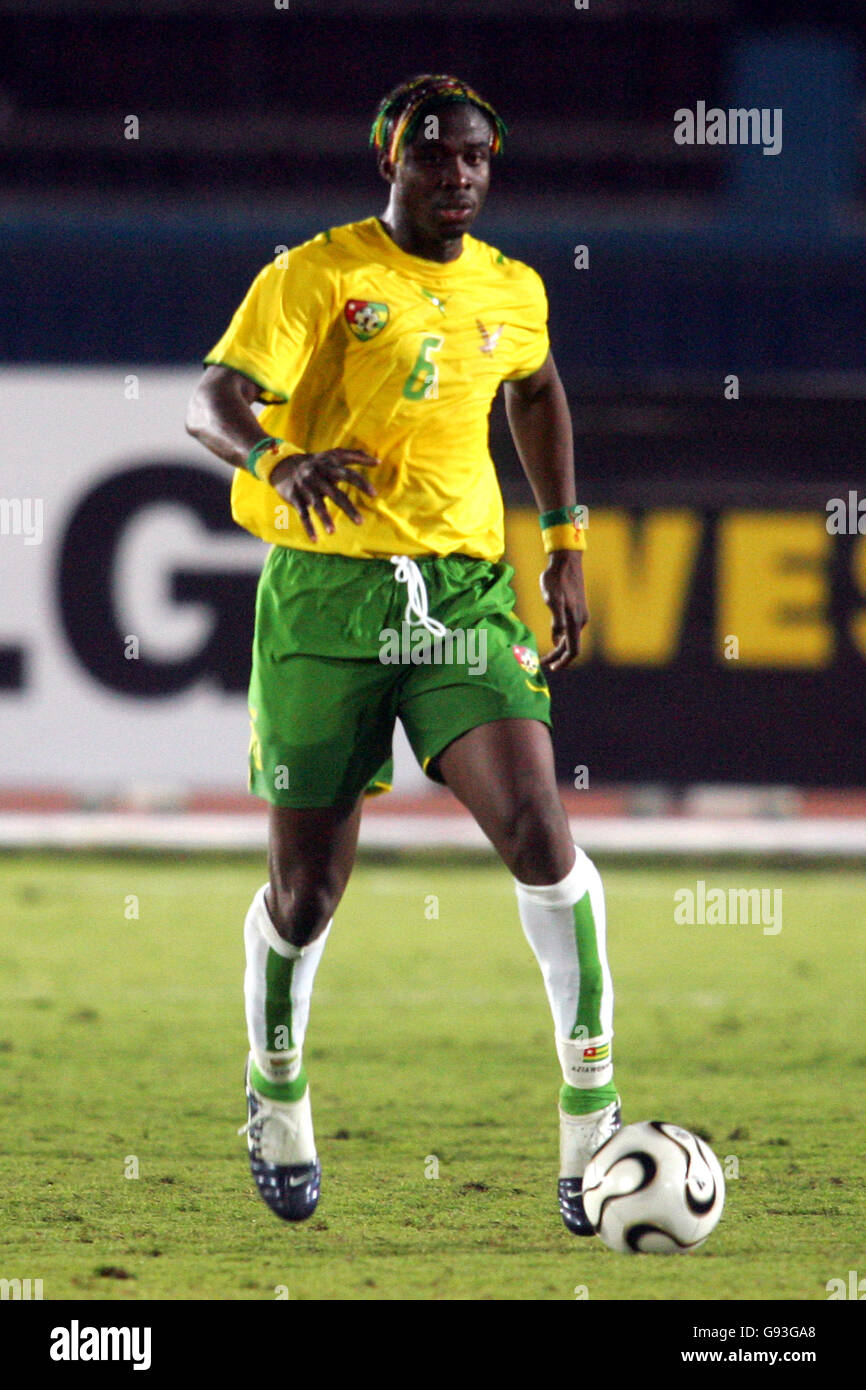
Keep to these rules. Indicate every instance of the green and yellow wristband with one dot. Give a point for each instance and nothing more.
(264, 456)
(564, 528)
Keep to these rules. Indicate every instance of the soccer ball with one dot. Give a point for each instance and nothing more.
(653, 1188)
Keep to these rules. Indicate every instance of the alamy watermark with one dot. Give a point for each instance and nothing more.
(20, 1289)
(846, 516)
(22, 516)
(734, 907)
(77, 1343)
(737, 126)
(416, 646)
(855, 1288)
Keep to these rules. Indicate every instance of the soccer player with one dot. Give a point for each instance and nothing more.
(377, 349)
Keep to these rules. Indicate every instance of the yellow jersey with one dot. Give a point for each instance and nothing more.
(357, 344)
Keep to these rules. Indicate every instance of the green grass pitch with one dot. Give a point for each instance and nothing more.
(430, 1050)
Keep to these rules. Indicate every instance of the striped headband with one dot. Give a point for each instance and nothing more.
(400, 114)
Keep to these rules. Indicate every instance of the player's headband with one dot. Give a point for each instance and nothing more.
(399, 116)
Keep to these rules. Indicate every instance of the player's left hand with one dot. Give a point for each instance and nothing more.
(563, 592)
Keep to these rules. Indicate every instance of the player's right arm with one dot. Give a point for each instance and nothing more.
(221, 417)
(220, 414)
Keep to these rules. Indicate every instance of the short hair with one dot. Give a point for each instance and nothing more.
(400, 113)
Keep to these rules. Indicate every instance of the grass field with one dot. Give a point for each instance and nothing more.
(122, 1047)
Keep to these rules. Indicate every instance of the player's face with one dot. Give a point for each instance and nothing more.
(440, 181)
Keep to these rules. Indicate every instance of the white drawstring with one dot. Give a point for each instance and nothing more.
(407, 572)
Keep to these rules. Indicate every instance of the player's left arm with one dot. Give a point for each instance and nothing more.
(540, 424)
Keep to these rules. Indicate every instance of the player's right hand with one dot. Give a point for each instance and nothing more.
(306, 480)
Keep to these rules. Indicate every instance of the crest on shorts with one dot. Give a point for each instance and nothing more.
(366, 317)
(528, 660)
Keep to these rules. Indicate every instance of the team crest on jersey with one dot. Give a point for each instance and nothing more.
(366, 317)
(528, 660)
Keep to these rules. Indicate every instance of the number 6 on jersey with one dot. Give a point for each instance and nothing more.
(422, 383)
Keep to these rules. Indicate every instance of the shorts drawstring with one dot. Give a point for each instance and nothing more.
(407, 572)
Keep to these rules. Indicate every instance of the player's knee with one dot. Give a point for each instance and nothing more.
(536, 842)
(302, 907)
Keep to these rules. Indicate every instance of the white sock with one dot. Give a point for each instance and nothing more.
(278, 984)
(565, 926)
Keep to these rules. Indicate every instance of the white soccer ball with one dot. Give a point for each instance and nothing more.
(653, 1188)
(367, 318)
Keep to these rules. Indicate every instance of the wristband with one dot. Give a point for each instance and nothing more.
(564, 528)
(563, 538)
(264, 456)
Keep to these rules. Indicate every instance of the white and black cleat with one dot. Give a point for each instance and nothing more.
(581, 1136)
(287, 1173)
(571, 1207)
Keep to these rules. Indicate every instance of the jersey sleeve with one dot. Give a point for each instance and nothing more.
(532, 342)
(279, 324)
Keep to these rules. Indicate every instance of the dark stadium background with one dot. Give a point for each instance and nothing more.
(704, 261)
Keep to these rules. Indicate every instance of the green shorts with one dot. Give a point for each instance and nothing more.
(335, 664)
